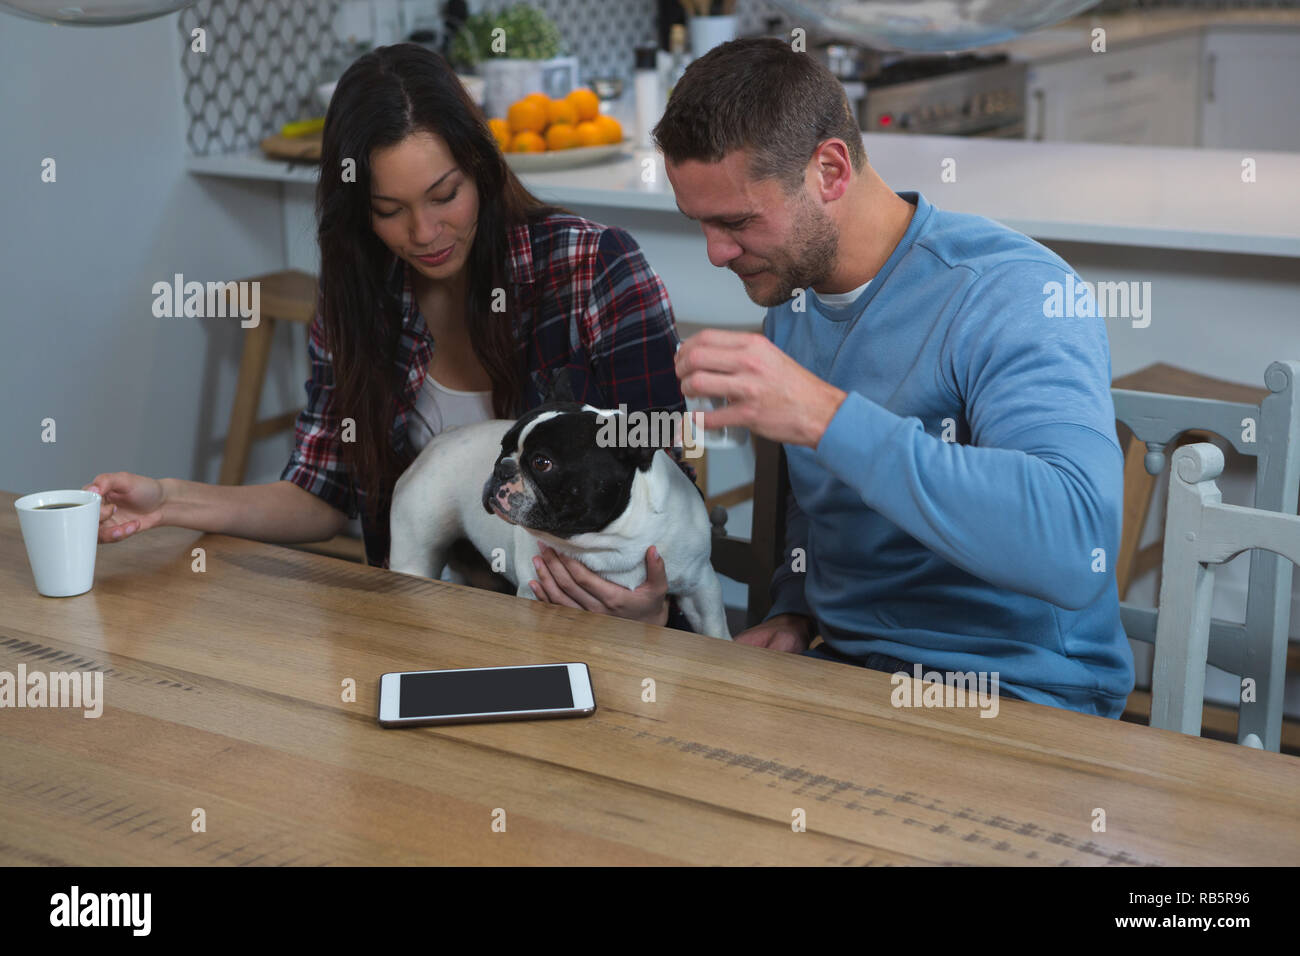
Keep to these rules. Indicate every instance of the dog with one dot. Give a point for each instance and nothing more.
(552, 476)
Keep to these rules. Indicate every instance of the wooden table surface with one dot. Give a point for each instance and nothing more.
(223, 691)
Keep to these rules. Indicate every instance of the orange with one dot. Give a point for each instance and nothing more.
(541, 99)
(561, 136)
(526, 116)
(589, 134)
(610, 128)
(585, 102)
(501, 130)
(527, 142)
(561, 111)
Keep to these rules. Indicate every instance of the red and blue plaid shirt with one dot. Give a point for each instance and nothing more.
(599, 310)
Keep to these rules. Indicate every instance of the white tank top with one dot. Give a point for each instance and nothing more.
(444, 409)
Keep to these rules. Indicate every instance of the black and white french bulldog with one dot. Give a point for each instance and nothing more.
(550, 478)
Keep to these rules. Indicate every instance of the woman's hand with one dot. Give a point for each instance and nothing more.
(567, 581)
(129, 503)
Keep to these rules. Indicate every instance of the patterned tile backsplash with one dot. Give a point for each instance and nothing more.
(263, 61)
(266, 57)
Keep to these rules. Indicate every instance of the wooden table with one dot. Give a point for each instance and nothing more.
(224, 691)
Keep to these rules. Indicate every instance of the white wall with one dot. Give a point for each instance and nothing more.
(79, 341)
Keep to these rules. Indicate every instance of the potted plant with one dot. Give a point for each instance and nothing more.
(517, 52)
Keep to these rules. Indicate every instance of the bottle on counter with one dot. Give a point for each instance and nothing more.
(648, 93)
(680, 59)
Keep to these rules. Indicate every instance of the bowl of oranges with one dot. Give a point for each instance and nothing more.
(539, 132)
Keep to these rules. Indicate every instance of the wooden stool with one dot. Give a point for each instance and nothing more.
(288, 296)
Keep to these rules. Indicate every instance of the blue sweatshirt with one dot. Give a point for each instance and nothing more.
(963, 508)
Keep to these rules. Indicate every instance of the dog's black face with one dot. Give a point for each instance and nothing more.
(554, 476)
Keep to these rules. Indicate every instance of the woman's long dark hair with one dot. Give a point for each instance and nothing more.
(385, 96)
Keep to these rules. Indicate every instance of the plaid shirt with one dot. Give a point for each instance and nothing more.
(600, 311)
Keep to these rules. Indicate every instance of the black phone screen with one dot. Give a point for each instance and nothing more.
(445, 693)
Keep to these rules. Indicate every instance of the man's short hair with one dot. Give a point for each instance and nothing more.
(758, 93)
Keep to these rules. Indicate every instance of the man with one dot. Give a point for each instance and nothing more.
(956, 478)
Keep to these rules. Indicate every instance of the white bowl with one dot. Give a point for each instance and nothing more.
(565, 158)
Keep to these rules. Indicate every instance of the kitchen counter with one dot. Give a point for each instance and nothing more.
(1073, 37)
(1121, 195)
(1080, 192)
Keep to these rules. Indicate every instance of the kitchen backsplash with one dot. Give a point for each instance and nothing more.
(262, 64)
(265, 57)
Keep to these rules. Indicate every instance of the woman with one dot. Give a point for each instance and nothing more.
(448, 294)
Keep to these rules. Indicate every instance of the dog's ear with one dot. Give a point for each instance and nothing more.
(648, 431)
(641, 456)
(665, 428)
(561, 387)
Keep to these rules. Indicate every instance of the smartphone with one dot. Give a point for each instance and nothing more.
(475, 694)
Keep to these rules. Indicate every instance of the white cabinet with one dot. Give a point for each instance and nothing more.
(1143, 94)
(1250, 83)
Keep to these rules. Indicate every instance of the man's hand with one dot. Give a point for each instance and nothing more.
(565, 580)
(785, 632)
(767, 391)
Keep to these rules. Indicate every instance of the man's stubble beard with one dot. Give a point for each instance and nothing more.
(815, 241)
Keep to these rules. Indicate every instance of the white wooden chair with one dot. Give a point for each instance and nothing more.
(1270, 431)
(1200, 534)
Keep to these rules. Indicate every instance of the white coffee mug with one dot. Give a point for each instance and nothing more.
(61, 532)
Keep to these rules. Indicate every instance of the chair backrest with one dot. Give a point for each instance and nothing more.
(1270, 431)
(1200, 534)
(753, 562)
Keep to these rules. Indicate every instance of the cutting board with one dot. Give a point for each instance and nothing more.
(294, 148)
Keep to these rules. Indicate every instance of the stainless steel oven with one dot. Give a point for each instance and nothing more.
(947, 96)
(952, 94)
